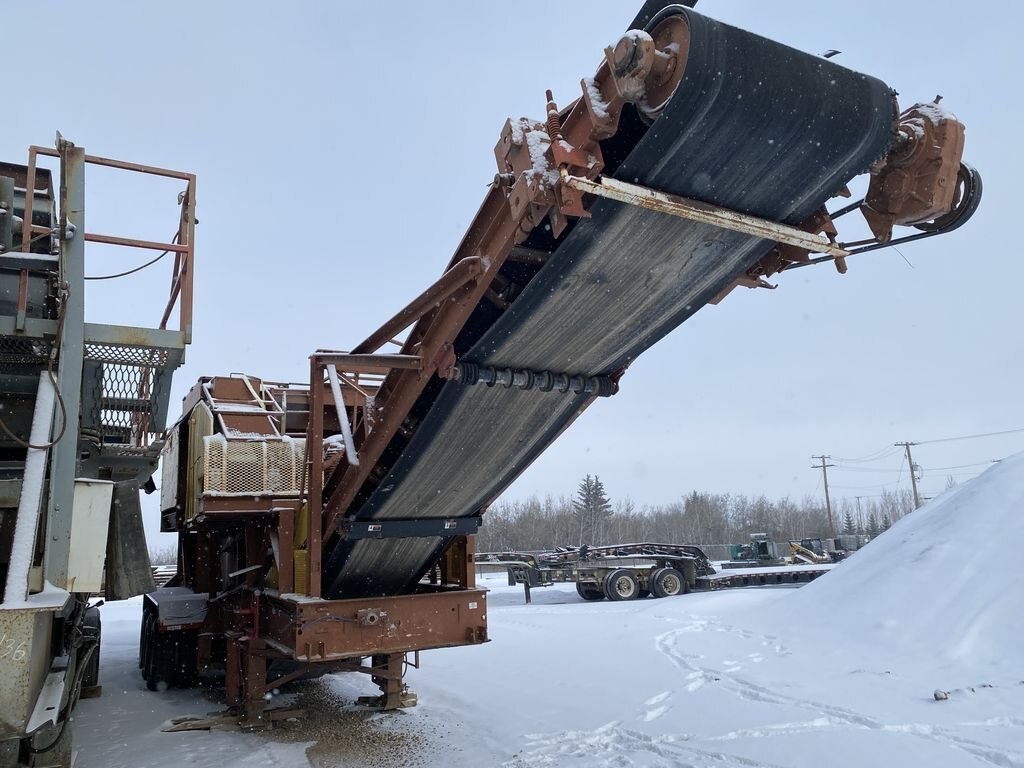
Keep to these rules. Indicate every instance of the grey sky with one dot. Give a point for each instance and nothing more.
(342, 149)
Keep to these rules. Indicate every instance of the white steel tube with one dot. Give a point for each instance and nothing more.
(31, 494)
(695, 210)
(339, 404)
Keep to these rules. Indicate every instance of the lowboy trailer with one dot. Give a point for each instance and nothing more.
(630, 571)
(620, 572)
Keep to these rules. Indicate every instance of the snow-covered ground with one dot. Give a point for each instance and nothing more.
(842, 672)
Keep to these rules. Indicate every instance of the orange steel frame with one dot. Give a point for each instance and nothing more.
(183, 245)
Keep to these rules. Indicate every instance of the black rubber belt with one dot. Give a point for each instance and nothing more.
(755, 126)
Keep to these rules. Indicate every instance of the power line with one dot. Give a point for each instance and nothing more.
(875, 486)
(864, 469)
(893, 485)
(877, 495)
(964, 466)
(968, 437)
(867, 458)
(930, 469)
(900, 475)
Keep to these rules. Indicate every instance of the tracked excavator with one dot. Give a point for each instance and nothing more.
(330, 526)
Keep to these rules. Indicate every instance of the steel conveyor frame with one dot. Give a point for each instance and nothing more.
(423, 422)
(686, 167)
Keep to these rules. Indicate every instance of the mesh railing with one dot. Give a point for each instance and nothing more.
(15, 352)
(127, 381)
(252, 467)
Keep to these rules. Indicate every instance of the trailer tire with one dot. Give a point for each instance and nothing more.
(621, 584)
(146, 643)
(142, 640)
(668, 582)
(186, 670)
(163, 656)
(91, 674)
(589, 591)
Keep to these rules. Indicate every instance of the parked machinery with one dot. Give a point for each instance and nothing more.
(761, 551)
(83, 409)
(813, 551)
(236, 487)
(331, 526)
(617, 572)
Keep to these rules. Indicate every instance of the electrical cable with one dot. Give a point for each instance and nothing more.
(964, 466)
(864, 469)
(969, 437)
(876, 456)
(139, 268)
(56, 389)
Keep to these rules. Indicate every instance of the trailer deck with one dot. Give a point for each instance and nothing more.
(589, 568)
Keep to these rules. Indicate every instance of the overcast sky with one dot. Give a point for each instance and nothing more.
(342, 149)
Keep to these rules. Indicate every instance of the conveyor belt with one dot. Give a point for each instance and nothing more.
(755, 126)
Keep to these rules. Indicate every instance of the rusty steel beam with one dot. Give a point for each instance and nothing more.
(315, 461)
(529, 256)
(175, 292)
(183, 249)
(504, 220)
(695, 210)
(151, 245)
(123, 165)
(346, 361)
(318, 631)
(188, 263)
(30, 193)
(491, 236)
(451, 281)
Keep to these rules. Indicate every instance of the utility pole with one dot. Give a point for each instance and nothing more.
(828, 502)
(913, 477)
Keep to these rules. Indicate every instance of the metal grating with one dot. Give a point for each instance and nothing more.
(15, 352)
(252, 467)
(126, 384)
(125, 354)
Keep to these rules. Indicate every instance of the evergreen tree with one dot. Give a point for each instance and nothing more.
(849, 527)
(602, 507)
(591, 508)
(886, 523)
(872, 525)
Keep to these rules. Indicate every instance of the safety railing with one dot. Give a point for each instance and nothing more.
(182, 244)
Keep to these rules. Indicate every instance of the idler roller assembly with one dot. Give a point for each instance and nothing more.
(544, 381)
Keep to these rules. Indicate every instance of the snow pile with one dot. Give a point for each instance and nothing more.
(942, 584)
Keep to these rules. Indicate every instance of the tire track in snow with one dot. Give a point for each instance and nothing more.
(660, 708)
(830, 716)
(614, 746)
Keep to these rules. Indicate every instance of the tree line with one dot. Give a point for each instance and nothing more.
(592, 517)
